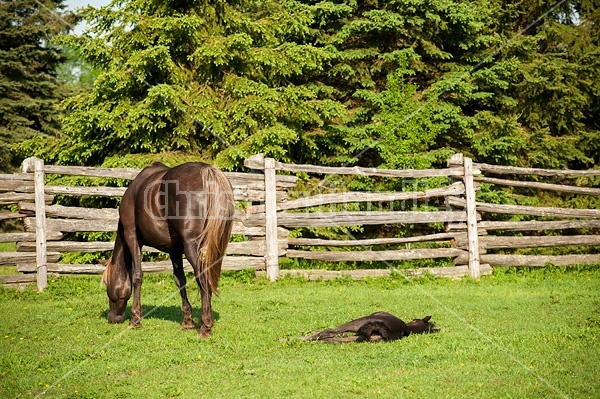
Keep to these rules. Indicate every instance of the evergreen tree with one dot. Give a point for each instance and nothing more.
(397, 84)
(559, 87)
(226, 79)
(29, 91)
(513, 84)
(400, 71)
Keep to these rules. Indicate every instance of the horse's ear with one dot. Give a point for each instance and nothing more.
(102, 262)
(426, 319)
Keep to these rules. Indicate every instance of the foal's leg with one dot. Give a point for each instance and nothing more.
(207, 319)
(325, 335)
(180, 281)
(136, 275)
(351, 338)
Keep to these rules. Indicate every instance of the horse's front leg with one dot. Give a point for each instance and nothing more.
(351, 338)
(181, 282)
(136, 276)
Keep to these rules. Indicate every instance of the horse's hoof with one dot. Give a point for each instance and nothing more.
(187, 325)
(115, 319)
(135, 324)
(204, 332)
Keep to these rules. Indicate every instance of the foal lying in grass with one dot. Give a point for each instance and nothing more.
(379, 326)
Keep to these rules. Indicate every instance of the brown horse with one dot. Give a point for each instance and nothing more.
(379, 326)
(184, 210)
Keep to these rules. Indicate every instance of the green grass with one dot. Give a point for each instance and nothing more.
(8, 246)
(526, 334)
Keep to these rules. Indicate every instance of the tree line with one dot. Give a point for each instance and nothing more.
(394, 84)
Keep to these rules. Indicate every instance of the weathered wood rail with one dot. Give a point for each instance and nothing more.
(269, 213)
(39, 249)
(587, 220)
(297, 213)
(466, 239)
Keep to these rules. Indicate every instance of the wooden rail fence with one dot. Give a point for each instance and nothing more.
(262, 226)
(40, 247)
(473, 250)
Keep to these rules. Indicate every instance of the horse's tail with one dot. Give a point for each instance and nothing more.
(219, 212)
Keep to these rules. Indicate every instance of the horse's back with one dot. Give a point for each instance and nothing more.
(185, 170)
(162, 202)
(139, 187)
(190, 188)
(189, 176)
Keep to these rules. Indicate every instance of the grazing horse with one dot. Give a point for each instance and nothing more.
(187, 210)
(379, 326)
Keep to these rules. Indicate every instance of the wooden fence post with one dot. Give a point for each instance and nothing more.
(472, 235)
(271, 256)
(41, 256)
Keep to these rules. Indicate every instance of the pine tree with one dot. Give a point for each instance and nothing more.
(559, 89)
(29, 91)
(396, 84)
(400, 71)
(513, 84)
(222, 78)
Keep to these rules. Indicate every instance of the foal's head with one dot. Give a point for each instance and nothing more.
(118, 288)
(419, 326)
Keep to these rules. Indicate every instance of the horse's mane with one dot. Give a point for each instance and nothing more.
(107, 273)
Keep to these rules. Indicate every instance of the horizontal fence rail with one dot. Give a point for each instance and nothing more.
(296, 213)
(19, 189)
(477, 235)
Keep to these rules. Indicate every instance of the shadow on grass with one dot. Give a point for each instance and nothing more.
(168, 313)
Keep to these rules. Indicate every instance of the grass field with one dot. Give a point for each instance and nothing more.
(530, 334)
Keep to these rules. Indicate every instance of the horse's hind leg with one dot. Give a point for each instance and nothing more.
(207, 319)
(181, 282)
(351, 338)
(350, 327)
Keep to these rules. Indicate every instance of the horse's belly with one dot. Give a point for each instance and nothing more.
(161, 246)
(157, 236)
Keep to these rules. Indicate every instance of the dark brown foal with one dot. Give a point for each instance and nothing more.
(379, 326)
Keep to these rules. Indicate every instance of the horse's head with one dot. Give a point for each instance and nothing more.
(118, 289)
(419, 326)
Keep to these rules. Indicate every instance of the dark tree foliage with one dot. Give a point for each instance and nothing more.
(507, 83)
(29, 90)
(402, 83)
(223, 79)
(559, 87)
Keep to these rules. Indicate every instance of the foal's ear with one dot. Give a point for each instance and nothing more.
(102, 262)
(426, 319)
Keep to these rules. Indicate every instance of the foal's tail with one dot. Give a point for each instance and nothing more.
(219, 212)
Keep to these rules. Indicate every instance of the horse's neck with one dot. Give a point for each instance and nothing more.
(416, 327)
(120, 254)
(412, 328)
